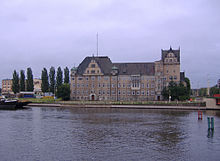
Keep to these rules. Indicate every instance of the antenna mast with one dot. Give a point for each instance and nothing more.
(97, 43)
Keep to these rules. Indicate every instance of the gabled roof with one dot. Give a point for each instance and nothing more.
(135, 68)
(104, 63)
(175, 52)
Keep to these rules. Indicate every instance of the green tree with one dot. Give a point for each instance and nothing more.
(176, 91)
(22, 80)
(52, 79)
(30, 83)
(188, 86)
(45, 82)
(66, 75)
(214, 90)
(59, 78)
(15, 82)
(63, 91)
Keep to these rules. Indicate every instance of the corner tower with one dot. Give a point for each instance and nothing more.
(171, 65)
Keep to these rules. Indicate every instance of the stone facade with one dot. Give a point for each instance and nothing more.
(97, 78)
(7, 86)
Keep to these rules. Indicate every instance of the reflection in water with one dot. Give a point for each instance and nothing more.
(210, 133)
(106, 134)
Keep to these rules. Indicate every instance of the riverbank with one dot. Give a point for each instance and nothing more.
(128, 106)
(120, 104)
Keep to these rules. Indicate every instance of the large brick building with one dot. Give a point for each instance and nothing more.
(97, 78)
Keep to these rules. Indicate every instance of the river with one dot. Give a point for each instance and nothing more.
(107, 134)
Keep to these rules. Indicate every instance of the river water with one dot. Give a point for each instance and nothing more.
(107, 134)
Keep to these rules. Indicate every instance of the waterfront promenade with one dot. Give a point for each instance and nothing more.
(129, 106)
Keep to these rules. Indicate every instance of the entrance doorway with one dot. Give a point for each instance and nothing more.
(92, 97)
(158, 98)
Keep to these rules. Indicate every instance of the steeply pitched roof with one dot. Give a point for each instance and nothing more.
(104, 63)
(175, 52)
(106, 67)
(135, 68)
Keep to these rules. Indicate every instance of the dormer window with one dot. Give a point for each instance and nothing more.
(93, 71)
(92, 65)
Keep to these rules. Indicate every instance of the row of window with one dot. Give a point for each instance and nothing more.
(113, 92)
(106, 78)
(134, 85)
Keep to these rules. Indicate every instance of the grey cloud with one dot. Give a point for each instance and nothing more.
(44, 33)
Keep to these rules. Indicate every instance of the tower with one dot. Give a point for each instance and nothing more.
(171, 65)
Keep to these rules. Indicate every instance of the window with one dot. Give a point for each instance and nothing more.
(119, 92)
(73, 78)
(80, 78)
(93, 71)
(142, 93)
(147, 93)
(138, 92)
(128, 92)
(133, 92)
(175, 77)
(93, 78)
(92, 65)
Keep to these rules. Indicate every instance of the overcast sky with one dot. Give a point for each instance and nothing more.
(45, 33)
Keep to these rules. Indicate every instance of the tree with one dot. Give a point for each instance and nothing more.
(52, 79)
(66, 75)
(63, 91)
(30, 83)
(45, 82)
(214, 90)
(22, 80)
(15, 82)
(188, 86)
(59, 78)
(176, 91)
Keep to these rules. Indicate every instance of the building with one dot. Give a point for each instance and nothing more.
(7, 87)
(97, 78)
(37, 86)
